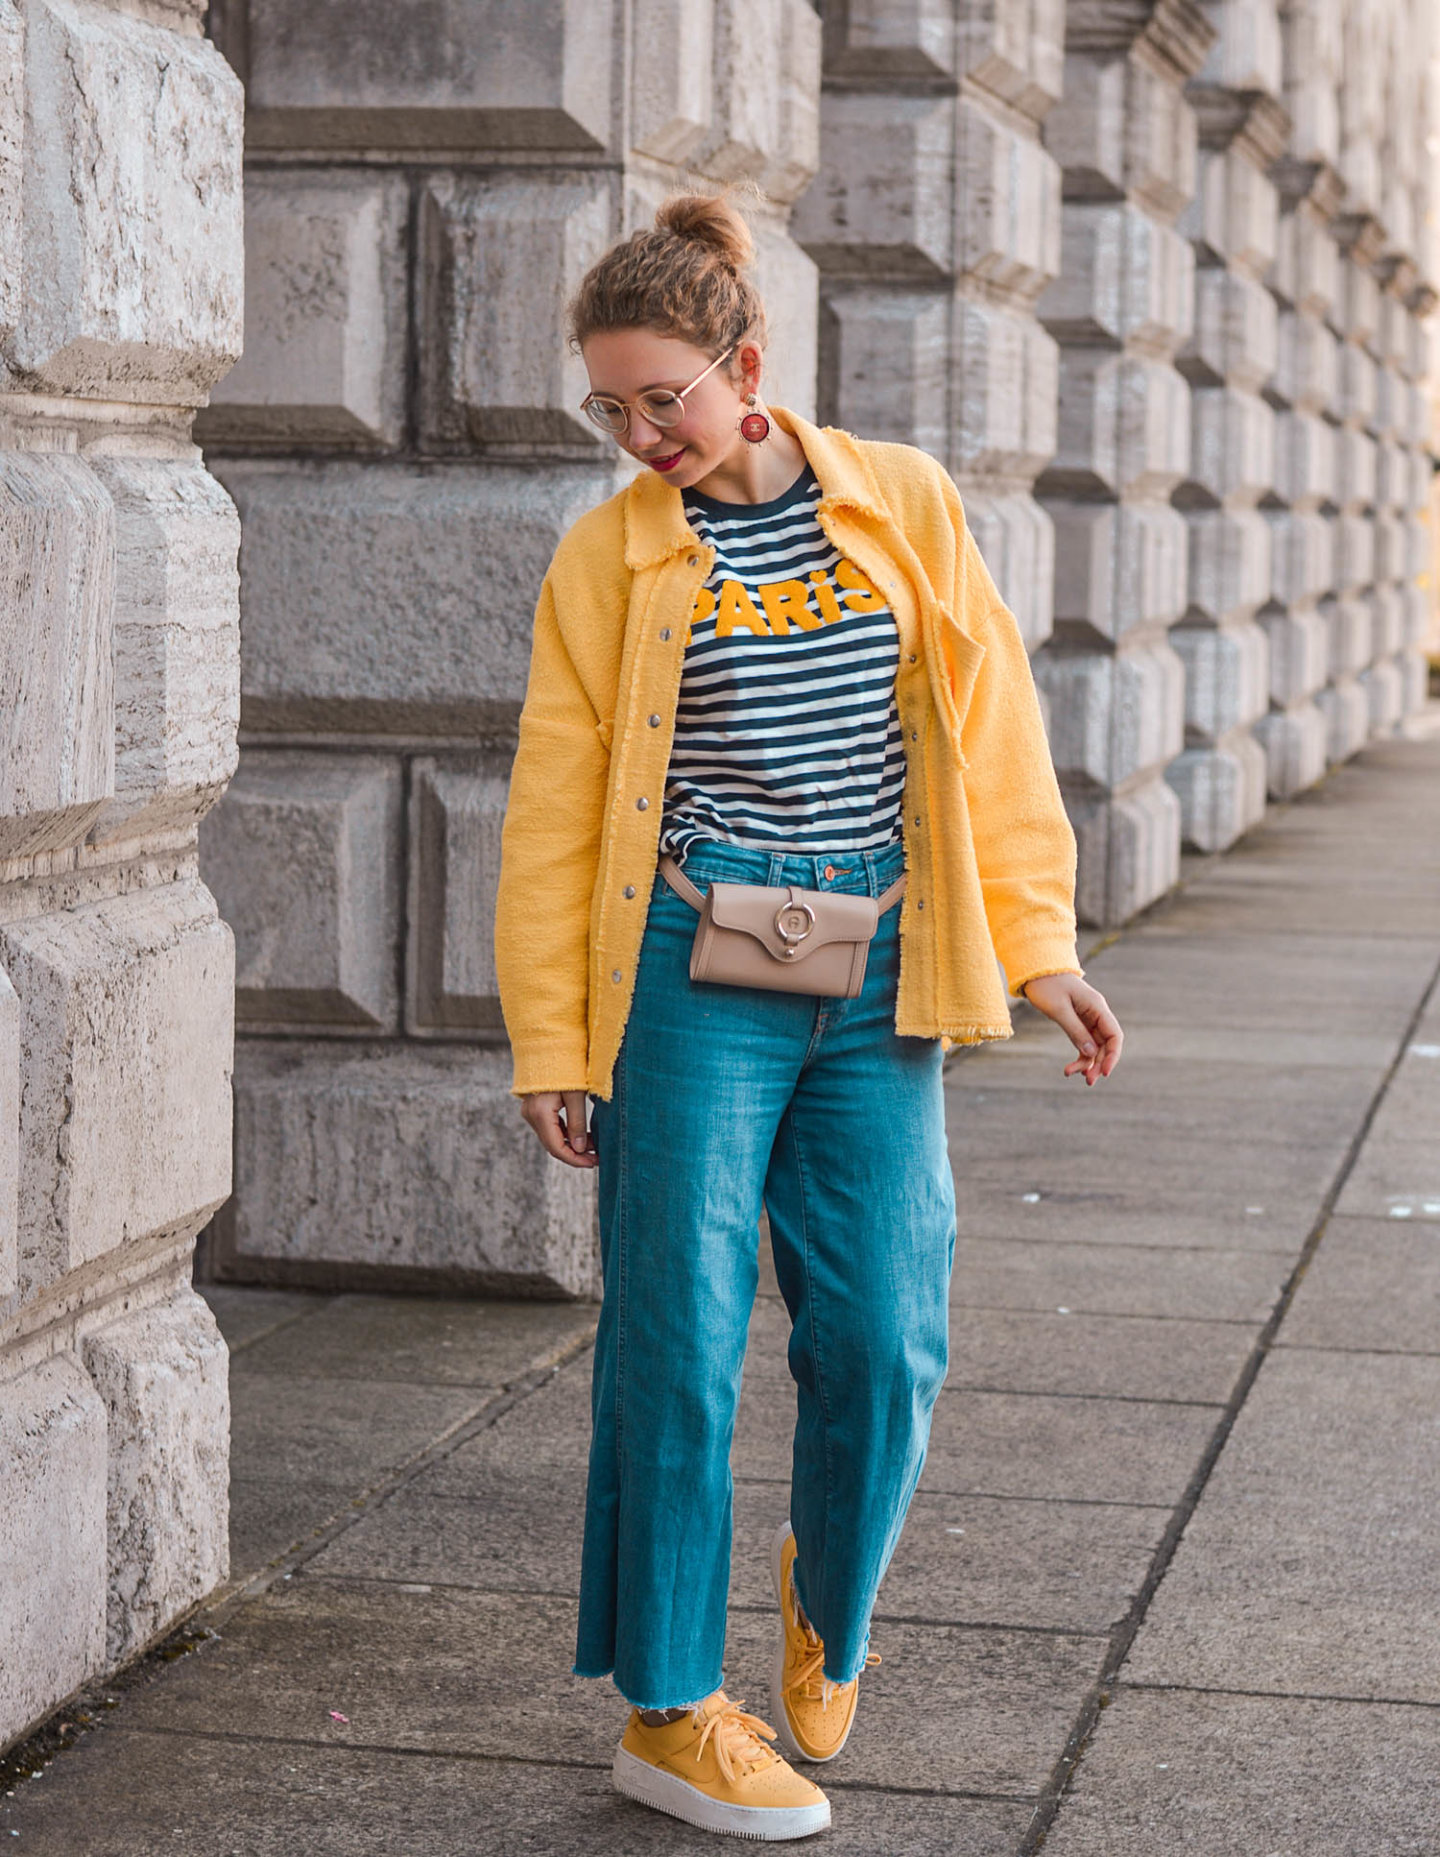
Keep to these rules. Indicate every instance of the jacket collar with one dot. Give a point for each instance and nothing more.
(655, 525)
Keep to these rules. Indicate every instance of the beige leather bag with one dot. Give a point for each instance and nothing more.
(782, 938)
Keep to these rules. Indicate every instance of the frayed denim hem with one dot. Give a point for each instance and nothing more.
(689, 1703)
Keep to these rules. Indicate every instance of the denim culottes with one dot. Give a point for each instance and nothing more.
(726, 1097)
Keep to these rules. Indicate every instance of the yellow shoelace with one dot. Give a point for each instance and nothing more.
(804, 1678)
(737, 1736)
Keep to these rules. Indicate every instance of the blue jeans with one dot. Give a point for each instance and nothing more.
(723, 1097)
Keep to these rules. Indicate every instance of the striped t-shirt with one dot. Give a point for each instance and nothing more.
(786, 731)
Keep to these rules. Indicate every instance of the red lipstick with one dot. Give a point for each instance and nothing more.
(666, 464)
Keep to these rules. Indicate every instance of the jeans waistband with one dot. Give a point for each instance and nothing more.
(866, 873)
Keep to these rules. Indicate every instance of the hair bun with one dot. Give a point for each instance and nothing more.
(708, 219)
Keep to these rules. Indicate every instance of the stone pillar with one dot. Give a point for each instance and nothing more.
(120, 296)
(404, 442)
(1304, 282)
(1125, 137)
(935, 222)
(1231, 224)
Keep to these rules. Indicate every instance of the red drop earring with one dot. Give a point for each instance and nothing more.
(754, 426)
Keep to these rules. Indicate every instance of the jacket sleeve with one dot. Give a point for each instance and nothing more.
(1024, 843)
(549, 854)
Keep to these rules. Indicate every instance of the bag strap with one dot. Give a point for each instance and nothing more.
(687, 891)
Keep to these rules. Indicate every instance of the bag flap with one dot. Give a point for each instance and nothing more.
(752, 908)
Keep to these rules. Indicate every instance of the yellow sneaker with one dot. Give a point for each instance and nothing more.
(713, 1768)
(812, 1715)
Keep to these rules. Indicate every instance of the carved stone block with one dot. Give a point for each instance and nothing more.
(516, 74)
(449, 1197)
(324, 359)
(456, 813)
(1221, 791)
(1124, 277)
(52, 1539)
(883, 201)
(1293, 742)
(125, 1120)
(132, 266)
(392, 598)
(177, 643)
(57, 540)
(503, 257)
(163, 1373)
(1119, 566)
(303, 855)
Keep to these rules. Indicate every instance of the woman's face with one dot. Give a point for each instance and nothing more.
(627, 362)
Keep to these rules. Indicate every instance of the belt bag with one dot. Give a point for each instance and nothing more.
(780, 937)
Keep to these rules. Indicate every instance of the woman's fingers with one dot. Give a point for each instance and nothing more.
(559, 1120)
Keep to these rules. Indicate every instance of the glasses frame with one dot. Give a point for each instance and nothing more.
(592, 399)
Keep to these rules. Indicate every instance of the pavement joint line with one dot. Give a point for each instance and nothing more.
(1322, 1347)
(1125, 1632)
(1054, 1392)
(280, 1323)
(1280, 1695)
(476, 1757)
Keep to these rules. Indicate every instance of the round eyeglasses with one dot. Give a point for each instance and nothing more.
(658, 405)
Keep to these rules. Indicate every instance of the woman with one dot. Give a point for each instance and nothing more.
(777, 657)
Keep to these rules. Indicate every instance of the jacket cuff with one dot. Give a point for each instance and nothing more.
(541, 1069)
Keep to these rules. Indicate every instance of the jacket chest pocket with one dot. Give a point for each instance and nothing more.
(953, 679)
(605, 729)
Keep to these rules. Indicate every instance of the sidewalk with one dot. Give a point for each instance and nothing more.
(1174, 1541)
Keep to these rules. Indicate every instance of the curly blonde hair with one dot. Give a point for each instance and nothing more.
(687, 276)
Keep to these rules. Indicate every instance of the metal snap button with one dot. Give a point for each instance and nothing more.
(917, 818)
(654, 722)
(912, 657)
(629, 889)
(642, 805)
(665, 634)
(692, 560)
(616, 974)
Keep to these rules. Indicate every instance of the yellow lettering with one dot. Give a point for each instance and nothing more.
(785, 600)
(737, 609)
(825, 598)
(700, 611)
(862, 597)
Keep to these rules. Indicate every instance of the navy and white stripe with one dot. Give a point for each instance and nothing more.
(786, 732)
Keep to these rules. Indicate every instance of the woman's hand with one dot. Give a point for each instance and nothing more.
(1082, 1014)
(558, 1118)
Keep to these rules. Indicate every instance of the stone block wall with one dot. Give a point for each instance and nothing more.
(1184, 417)
(120, 306)
(404, 443)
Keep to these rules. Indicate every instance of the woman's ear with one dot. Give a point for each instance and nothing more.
(750, 360)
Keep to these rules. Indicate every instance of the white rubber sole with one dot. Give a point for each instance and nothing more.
(666, 1792)
(779, 1719)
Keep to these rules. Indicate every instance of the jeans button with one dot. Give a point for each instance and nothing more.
(829, 872)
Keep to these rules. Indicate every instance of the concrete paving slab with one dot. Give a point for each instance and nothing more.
(161, 1793)
(1244, 1776)
(972, 1560)
(1171, 1170)
(1007, 1350)
(244, 1312)
(1207, 1285)
(442, 1340)
(1168, 972)
(549, 1427)
(1373, 1284)
(267, 1519)
(517, 1530)
(459, 1672)
(1309, 1564)
(1131, 1357)
(1310, 1109)
(342, 1433)
(1243, 1215)
(1018, 1444)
